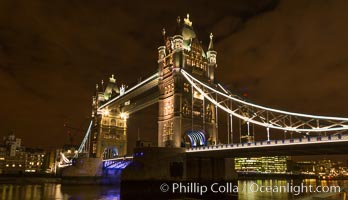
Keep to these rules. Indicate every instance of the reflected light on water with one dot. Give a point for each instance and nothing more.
(98, 192)
(58, 192)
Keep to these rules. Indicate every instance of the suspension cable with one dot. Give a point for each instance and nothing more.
(191, 80)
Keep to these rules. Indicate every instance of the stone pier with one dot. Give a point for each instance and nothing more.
(173, 164)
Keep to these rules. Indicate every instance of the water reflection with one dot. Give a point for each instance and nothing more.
(31, 191)
(58, 192)
(146, 190)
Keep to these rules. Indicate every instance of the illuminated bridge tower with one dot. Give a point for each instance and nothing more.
(109, 128)
(185, 118)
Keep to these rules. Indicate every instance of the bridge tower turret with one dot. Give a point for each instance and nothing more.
(108, 133)
(185, 118)
(211, 54)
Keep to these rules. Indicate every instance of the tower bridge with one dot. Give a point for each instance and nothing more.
(189, 100)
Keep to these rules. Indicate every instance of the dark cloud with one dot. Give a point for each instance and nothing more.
(286, 54)
(296, 54)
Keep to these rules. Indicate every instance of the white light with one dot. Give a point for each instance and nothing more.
(189, 78)
(124, 115)
(84, 139)
(120, 158)
(199, 149)
(153, 77)
(106, 112)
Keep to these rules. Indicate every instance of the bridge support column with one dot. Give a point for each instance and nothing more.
(208, 169)
(230, 171)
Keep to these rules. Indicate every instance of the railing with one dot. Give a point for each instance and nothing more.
(120, 164)
(117, 163)
(262, 116)
(295, 141)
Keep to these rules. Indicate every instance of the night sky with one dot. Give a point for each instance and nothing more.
(290, 55)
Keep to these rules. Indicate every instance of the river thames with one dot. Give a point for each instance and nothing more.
(141, 191)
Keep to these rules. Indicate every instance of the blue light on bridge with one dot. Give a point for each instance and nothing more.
(197, 138)
(138, 154)
(119, 164)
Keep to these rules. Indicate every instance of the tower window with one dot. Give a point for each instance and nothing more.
(186, 87)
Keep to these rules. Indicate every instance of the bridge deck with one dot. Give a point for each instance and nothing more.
(324, 145)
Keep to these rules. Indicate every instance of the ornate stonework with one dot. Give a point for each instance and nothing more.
(181, 109)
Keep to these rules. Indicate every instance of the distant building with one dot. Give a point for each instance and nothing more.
(35, 160)
(307, 166)
(12, 155)
(50, 161)
(324, 166)
(269, 164)
(12, 143)
(15, 159)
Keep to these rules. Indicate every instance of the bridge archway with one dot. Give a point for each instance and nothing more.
(195, 138)
(110, 152)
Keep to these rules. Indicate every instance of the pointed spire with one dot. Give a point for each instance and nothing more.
(164, 35)
(178, 26)
(178, 20)
(187, 20)
(164, 32)
(97, 89)
(102, 86)
(211, 48)
(112, 79)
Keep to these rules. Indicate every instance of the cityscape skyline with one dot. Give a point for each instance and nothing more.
(16, 159)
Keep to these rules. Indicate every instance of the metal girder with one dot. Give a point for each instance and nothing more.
(264, 116)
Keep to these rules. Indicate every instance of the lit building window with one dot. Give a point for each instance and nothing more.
(172, 87)
(197, 95)
(188, 61)
(186, 87)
